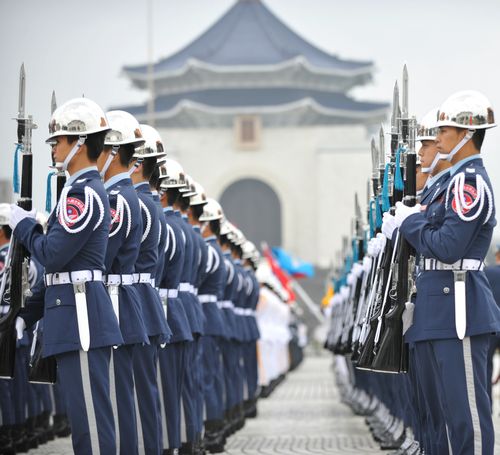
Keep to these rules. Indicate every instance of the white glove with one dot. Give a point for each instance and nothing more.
(17, 214)
(357, 270)
(20, 327)
(344, 292)
(367, 264)
(382, 240)
(389, 225)
(403, 212)
(351, 278)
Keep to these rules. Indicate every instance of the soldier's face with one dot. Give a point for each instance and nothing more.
(427, 152)
(448, 137)
(60, 149)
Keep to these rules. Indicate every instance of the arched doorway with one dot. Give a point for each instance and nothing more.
(255, 208)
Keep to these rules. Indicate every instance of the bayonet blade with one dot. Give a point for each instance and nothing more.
(395, 108)
(381, 157)
(53, 102)
(22, 93)
(374, 157)
(404, 101)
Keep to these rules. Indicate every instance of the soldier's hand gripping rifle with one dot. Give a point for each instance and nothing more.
(15, 282)
(393, 352)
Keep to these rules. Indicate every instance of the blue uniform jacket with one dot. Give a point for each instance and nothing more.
(175, 253)
(493, 275)
(63, 251)
(253, 292)
(122, 252)
(213, 283)
(439, 232)
(147, 262)
(228, 296)
(190, 304)
(240, 300)
(162, 240)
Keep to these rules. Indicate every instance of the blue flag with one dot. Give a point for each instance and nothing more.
(293, 266)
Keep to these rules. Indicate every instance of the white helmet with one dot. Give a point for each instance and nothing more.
(4, 214)
(237, 237)
(226, 227)
(427, 129)
(124, 129)
(161, 166)
(153, 146)
(176, 178)
(199, 197)
(212, 211)
(248, 249)
(77, 117)
(467, 109)
(187, 187)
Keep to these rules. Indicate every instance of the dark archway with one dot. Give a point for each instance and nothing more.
(255, 208)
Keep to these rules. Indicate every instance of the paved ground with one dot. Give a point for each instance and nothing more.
(303, 416)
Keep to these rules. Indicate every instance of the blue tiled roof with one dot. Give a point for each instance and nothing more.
(250, 34)
(255, 97)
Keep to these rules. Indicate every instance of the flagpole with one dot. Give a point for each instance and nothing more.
(312, 307)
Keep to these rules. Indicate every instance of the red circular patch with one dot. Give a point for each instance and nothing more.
(470, 195)
(113, 220)
(74, 208)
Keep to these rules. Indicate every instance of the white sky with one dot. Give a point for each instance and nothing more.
(79, 47)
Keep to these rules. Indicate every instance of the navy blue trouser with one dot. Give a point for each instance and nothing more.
(229, 373)
(251, 369)
(212, 378)
(84, 382)
(459, 371)
(121, 377)
(148, 397)
(172, 371)
(189, 392)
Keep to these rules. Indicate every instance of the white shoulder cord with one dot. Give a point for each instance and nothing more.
(62, 210)
(148, 220)
(171, 236)
(230, 268)
(183, 237)
(159, 232)
(121, 207)
(249, 285)
(483, 191)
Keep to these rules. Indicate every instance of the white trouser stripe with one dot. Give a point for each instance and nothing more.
(450, 450)
(162, 408)
(89, 403)
(471, 395)
(114, 398)
(183, 423)
(140, 436)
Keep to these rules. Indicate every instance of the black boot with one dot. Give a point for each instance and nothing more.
(214, 436)
(19, 438)
(170, 452)
(44, 423)
(187, 448)
(61, 426)
(31, 433)
(6, 443)
(250, 407)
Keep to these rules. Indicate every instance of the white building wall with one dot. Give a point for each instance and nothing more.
(313, 170)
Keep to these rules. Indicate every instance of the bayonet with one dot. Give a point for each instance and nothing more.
(22, 94)
(375, 159)
(53, 102)
(395, 108)
(381, 157)
(404, 102)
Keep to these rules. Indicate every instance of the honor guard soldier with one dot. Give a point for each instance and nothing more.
(73, 254)
(146, 356)
(455, 311)
(121, 255)
(210, 292)
(250, 347)
(172, 184)
(173, 356)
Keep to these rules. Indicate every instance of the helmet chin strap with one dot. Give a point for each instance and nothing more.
(72, 153)
(135, 166)
(449, 156)
(114, 151)
(435, 161)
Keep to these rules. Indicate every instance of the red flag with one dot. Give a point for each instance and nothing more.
(279, 272)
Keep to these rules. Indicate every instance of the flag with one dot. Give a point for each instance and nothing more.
(278, 271)
(295, 267)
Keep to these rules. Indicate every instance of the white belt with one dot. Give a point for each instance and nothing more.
(169, 293)
(153, 282)
(206, 298)
(142, 278)
(4, 309)
(114, 280)
(185, 287)
(226, 304)
(248, 312)
(239, 311)
(78, 276)
(462, 264)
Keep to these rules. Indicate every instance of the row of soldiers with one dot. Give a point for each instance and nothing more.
(146, 294)
(415, 298)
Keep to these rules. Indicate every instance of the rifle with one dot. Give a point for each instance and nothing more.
(15, 283)
(393, 351)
